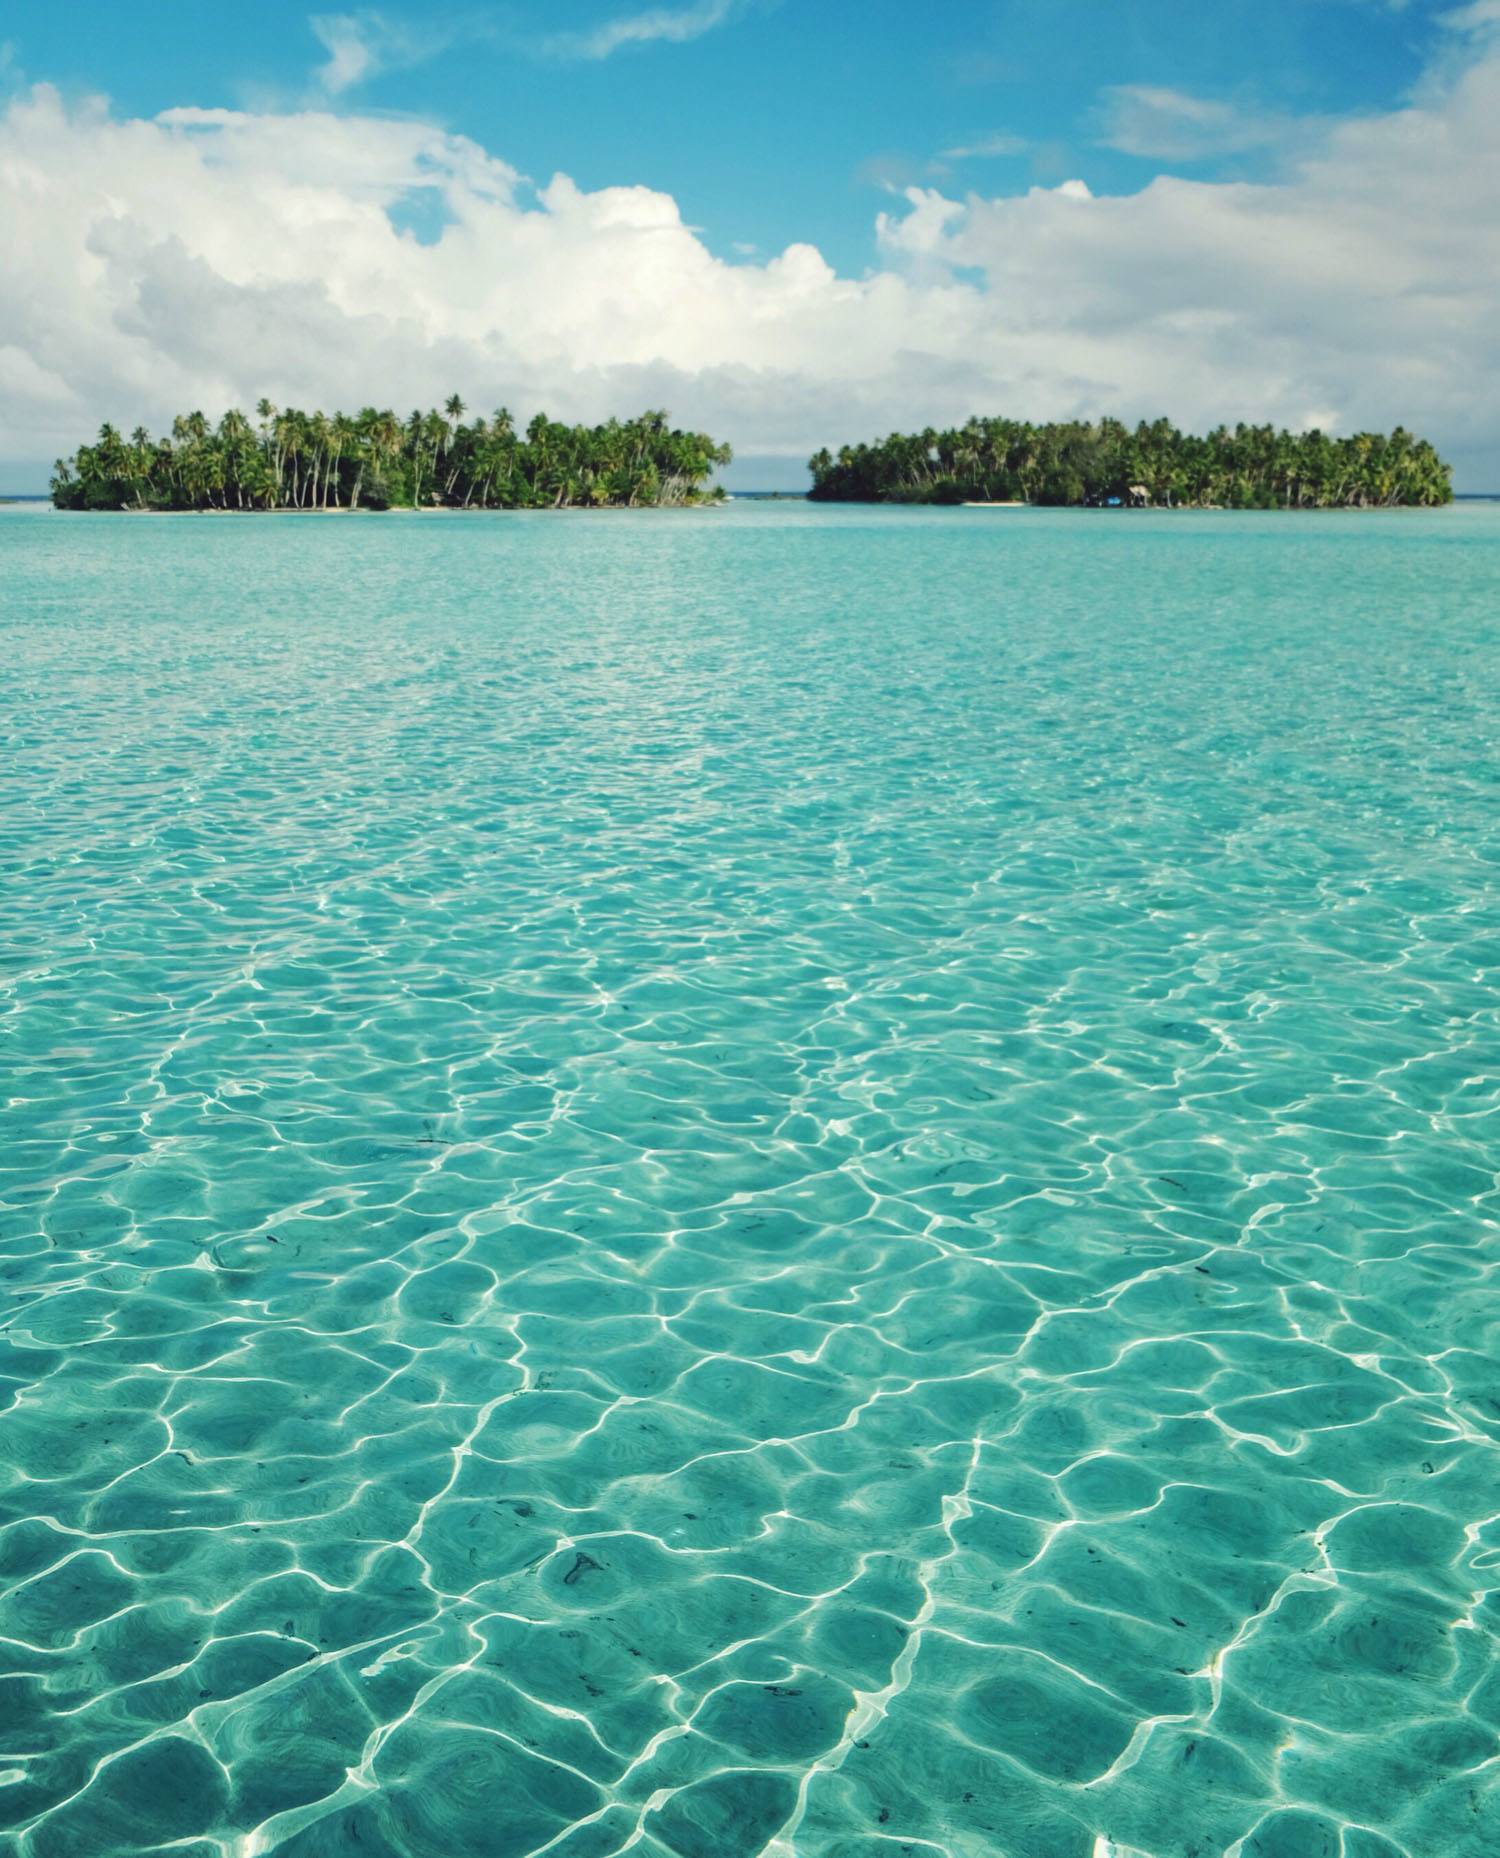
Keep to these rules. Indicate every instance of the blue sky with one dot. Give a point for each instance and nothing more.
(791, 222)
(782, 120)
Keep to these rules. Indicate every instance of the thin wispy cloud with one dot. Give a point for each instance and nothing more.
(362, 45)
(1479, 16)
(986, 147)
(661, 24)
(1172, 125)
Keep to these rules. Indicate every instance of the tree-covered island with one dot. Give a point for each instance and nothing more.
(1104, 463)
(290, 460)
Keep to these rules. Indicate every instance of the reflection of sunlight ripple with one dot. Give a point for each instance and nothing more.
(776, 1182)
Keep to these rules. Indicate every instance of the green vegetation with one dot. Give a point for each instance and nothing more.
(373, 460)
(1106, 462)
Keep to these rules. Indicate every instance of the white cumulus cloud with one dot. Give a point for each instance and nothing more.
(204, 258)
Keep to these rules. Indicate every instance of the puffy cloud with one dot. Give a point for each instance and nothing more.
(207, 257)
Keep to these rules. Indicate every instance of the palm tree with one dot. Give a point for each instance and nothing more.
(318, 436)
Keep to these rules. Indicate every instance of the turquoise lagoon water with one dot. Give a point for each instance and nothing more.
(790, 1182)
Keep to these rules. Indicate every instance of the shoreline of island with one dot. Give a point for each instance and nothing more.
(403, 509)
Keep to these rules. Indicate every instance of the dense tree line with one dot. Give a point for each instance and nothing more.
(290, 460)
(1106, 462)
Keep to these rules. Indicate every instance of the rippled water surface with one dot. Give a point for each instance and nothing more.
(773, 1182)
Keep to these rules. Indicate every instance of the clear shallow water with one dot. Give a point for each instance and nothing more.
(778, 1181)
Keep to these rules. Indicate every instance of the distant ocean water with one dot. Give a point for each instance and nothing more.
(816, 1182)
